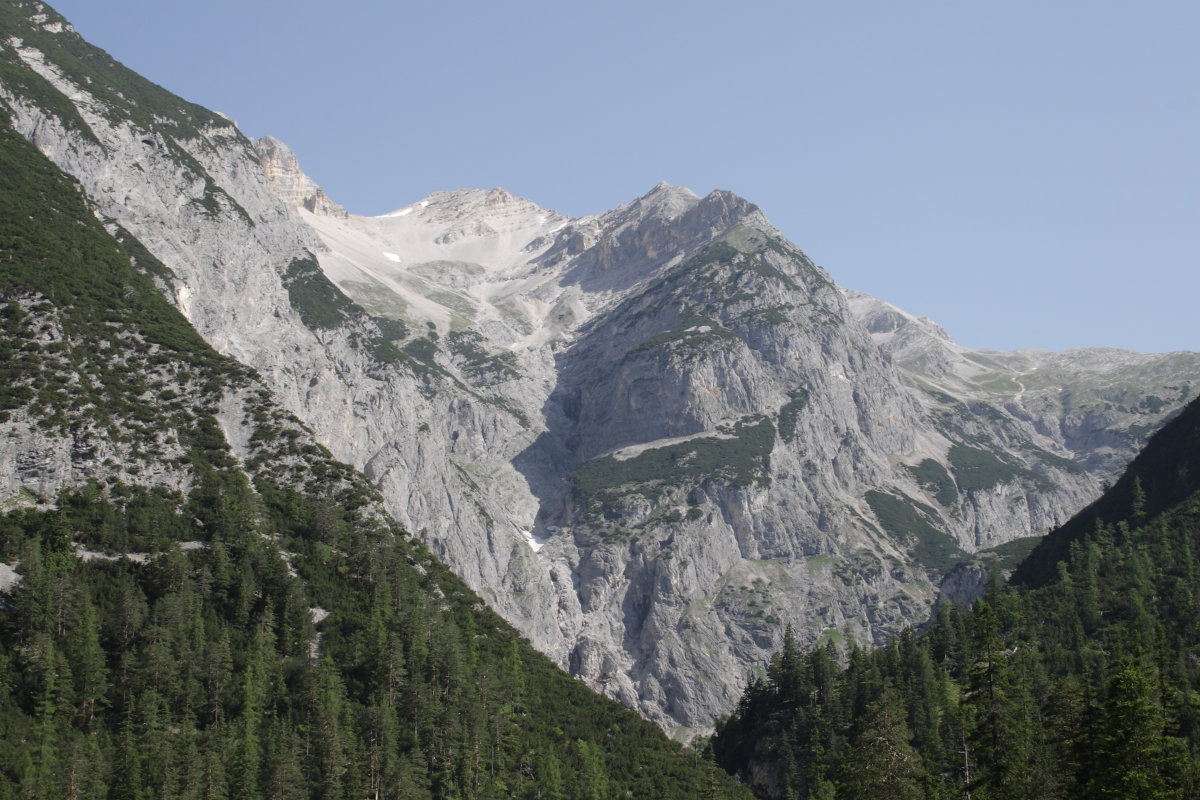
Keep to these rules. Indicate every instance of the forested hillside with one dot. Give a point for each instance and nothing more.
(1082, 684)
(191, 619)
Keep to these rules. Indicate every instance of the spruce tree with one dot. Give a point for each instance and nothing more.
(880, 761)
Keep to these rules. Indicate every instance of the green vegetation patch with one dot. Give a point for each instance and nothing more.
(123, 93)
(743, 250)
(978, 469)
(423, 349)
(35, 89)
(695, 331)
(1051, 460)
(321, 305)
(142, 258)
(477, 362)
(741, 459)
(88, 339)
(749, 602)
(719, 252)
(391, 329)
(912, 523)
(933, 477)
(789, 415)
(1010, 554)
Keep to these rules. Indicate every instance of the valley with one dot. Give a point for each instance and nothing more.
(650, 439)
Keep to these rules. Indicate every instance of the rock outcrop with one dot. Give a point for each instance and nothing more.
(281, 166)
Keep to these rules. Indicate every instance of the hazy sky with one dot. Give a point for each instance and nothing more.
(1025, 173)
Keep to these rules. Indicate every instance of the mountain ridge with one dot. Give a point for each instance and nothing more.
(817, 483)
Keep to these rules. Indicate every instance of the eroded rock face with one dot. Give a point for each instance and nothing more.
(283, 169)
(651, 439)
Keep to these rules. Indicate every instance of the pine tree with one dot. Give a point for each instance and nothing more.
(283, 778)
(88, 670)
(327, 733)
(880, 761)
(125, 782)
(591, 774)
(48, 723)
(1134, 763)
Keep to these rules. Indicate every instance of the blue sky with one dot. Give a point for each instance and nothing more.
(1025, 173)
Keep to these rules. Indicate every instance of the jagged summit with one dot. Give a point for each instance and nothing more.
(450, 206)
(283, 168)
(664, 201)
(444, 218)
(667, 204)
(882, 319)
(486, 256)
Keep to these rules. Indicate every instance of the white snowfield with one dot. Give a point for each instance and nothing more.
(535, 544)
(454, 259)
(479, 259)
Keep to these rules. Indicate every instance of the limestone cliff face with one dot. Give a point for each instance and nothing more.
(283, 169)
(651, 438)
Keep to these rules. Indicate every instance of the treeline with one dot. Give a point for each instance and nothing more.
(209, 669)
(1084, 686)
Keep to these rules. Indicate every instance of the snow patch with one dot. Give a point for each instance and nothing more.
(392, 257)
(404, 212)
(534, 543)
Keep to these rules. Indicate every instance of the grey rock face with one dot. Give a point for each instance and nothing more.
(280, 165)
(1095, 406)
(651, 439)
(964, 584)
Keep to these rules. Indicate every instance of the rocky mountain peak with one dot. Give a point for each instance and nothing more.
(664, 202)
(283, 168)
(619, 249)
(884, 320)
(497, 209)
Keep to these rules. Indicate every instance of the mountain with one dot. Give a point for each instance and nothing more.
(1079, 682)
(649, 438)
(1097, 405)
(198, 601)
(711, 400)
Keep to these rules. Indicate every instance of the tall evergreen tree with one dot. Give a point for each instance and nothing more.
(880, 760)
